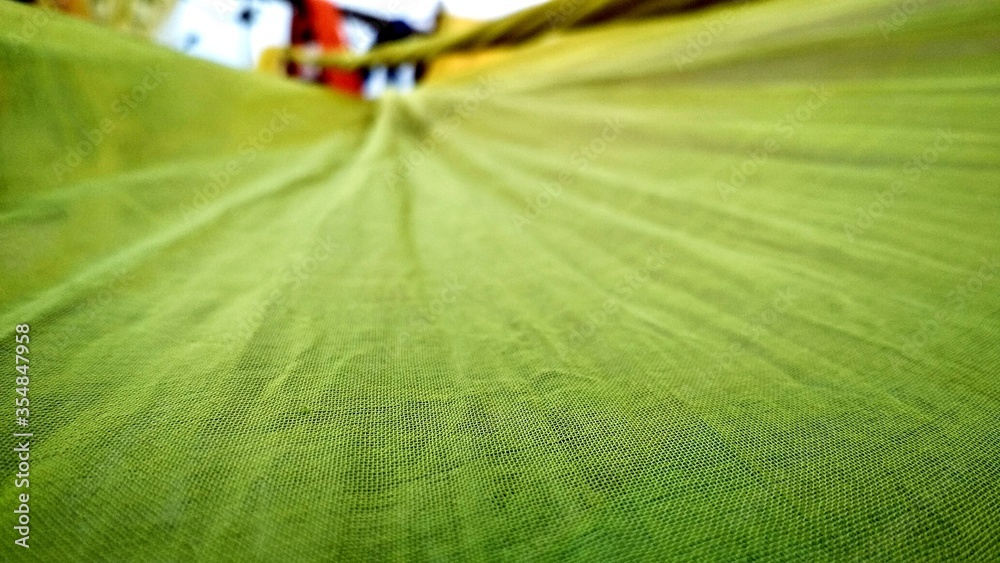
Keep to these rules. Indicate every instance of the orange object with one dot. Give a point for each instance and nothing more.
(319, 23)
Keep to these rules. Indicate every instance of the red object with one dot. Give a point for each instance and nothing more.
(319, 23)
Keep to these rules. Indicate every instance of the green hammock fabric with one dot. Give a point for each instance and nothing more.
(716, 285)
(553, 16)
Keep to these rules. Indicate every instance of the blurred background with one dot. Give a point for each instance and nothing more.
(256, 34)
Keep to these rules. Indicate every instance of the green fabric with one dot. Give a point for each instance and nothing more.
(552, 16)
(719, 285)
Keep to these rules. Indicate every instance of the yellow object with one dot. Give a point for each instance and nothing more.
(272, 61)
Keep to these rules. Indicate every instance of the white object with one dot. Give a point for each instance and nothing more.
(484, 10)
(375, 85)
(406, 77)
(361, 35)
(233, 33)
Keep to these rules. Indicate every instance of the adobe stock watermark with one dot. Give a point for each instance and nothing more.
(698, 43)
(108, 293)
(785, 129)
(913, 170)
(752, 331)
(225, 7)
(89, 310)
(430, 314)
(248, 149)
(560, 12)
(901, 13)
(19, 365)
(622, 292)
(292, 277)
(579, 161)
(453, 116)
(31, 27)
(121, 108)
(957, 297)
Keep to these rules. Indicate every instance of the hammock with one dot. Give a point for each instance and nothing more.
(719, 282)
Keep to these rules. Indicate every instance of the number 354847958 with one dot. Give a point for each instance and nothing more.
(21, 363)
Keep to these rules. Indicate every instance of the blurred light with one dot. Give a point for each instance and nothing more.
(490, 10)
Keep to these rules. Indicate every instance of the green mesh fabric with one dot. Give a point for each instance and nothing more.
(717, 285)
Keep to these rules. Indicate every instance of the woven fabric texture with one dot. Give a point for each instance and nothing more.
(715, 285)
